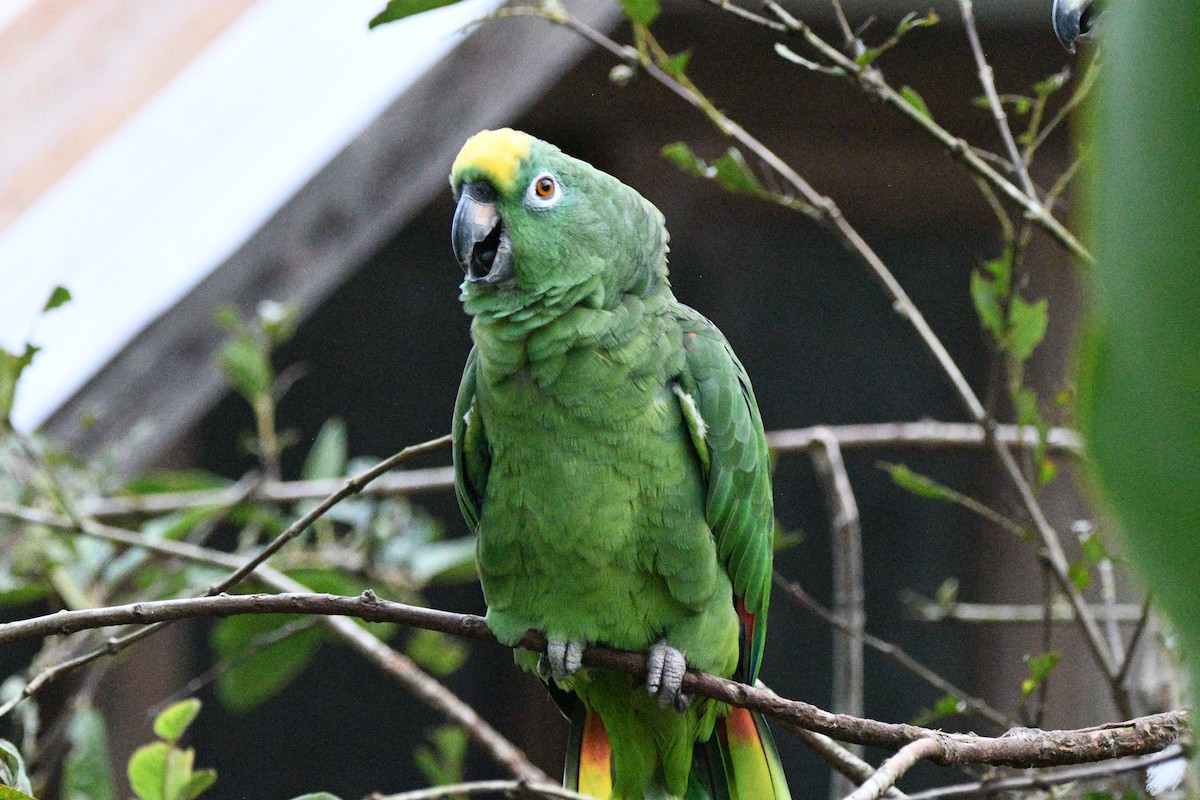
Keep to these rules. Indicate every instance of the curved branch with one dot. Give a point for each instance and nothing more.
(1023, 747)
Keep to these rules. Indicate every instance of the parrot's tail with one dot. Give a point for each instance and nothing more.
(739, 762)
(589, 755)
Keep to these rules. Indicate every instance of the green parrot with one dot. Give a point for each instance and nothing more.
(609, 455)
(1075, 20)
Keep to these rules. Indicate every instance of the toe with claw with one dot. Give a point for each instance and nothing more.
(562, 658)
(665, 667)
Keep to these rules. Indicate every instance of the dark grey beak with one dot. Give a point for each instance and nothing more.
(480, 241)
(1073, 20)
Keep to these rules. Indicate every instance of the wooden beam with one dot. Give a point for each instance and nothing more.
(160, 385)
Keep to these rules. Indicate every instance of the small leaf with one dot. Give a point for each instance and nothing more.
(442, 763)
(87, 773)
(329, 453)
(9, 793)
(11, 367)
(436, 652)
(1048, 86)
(1093, 549)
(1047, 472)
(679, 154)
(734, 175)
(60, 296)
(259, 673)
(173, 722)
(180, 480)
(1080, 575)
(179, 773)
(914, 99)
(148, 771)
(1040, 667)
(247, 367)
(948, 706)
(399, 9)
(640, 12)
(12, 767)
(200, 781)
(676, 64)
(1027, 326)
(919, 485)
(987, 305)
(278, 321)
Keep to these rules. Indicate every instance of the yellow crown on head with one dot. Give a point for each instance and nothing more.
(495, 155)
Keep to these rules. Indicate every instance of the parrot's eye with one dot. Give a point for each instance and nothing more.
(543, 192)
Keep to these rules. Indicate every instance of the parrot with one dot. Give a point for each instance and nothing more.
(610, 458)
(1075, 20)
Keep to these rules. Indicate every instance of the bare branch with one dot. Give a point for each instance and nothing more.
(1103, 770)
(1020, 747)
(925, 434)
(891, 770)
(927, 610)
(988, 81)
(517, 789)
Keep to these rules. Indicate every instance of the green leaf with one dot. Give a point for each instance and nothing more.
(676, 64)
(986, 299)
(450, 561)
(679, 154)
(329, 453)
(60, 296)
(947, 706)
(11, 367)
(278, 321)
(173, 722)
(148, 771)
(1027, 326)
(1048, 86)
(442, 763)
(9, 793)
(1138, 400)
(87, 772)
(399, 9)
(12, 767)
(247, 367)
(914, 99)
(1040, 667)
(198, 783)
(1080, 575)
(640, 12)
(734, 175)
(440, 654)
(179, 480)
(259, 672)
(318, 796)
(178, 774)
(919, 485)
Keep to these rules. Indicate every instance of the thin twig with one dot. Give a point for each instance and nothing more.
(1103, 770)
(515, 789)
(988, 81)
(797, 593)
(838, 757)
(891, 770)
(927, 610)
(1024, 747)
(1134, 640)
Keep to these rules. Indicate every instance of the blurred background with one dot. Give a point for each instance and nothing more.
(164, 160)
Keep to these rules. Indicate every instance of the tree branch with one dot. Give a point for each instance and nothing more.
(891, 770)
(517, 789)
(1020, 747)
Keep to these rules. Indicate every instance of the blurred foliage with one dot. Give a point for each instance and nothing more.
(1140, 364)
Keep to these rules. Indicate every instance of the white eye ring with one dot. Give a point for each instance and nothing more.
(535, 196)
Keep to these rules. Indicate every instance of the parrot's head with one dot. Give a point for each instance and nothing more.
(536, 226)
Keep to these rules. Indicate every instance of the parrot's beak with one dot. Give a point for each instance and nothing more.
(480, 241)
(1073, 19)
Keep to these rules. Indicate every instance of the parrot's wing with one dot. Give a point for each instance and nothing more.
(471, 456)
(722, 415)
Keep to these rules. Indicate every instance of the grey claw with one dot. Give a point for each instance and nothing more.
(563, 658)
(665, 667)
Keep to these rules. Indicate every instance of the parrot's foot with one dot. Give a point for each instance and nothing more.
(562, 659)
(665, 667)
